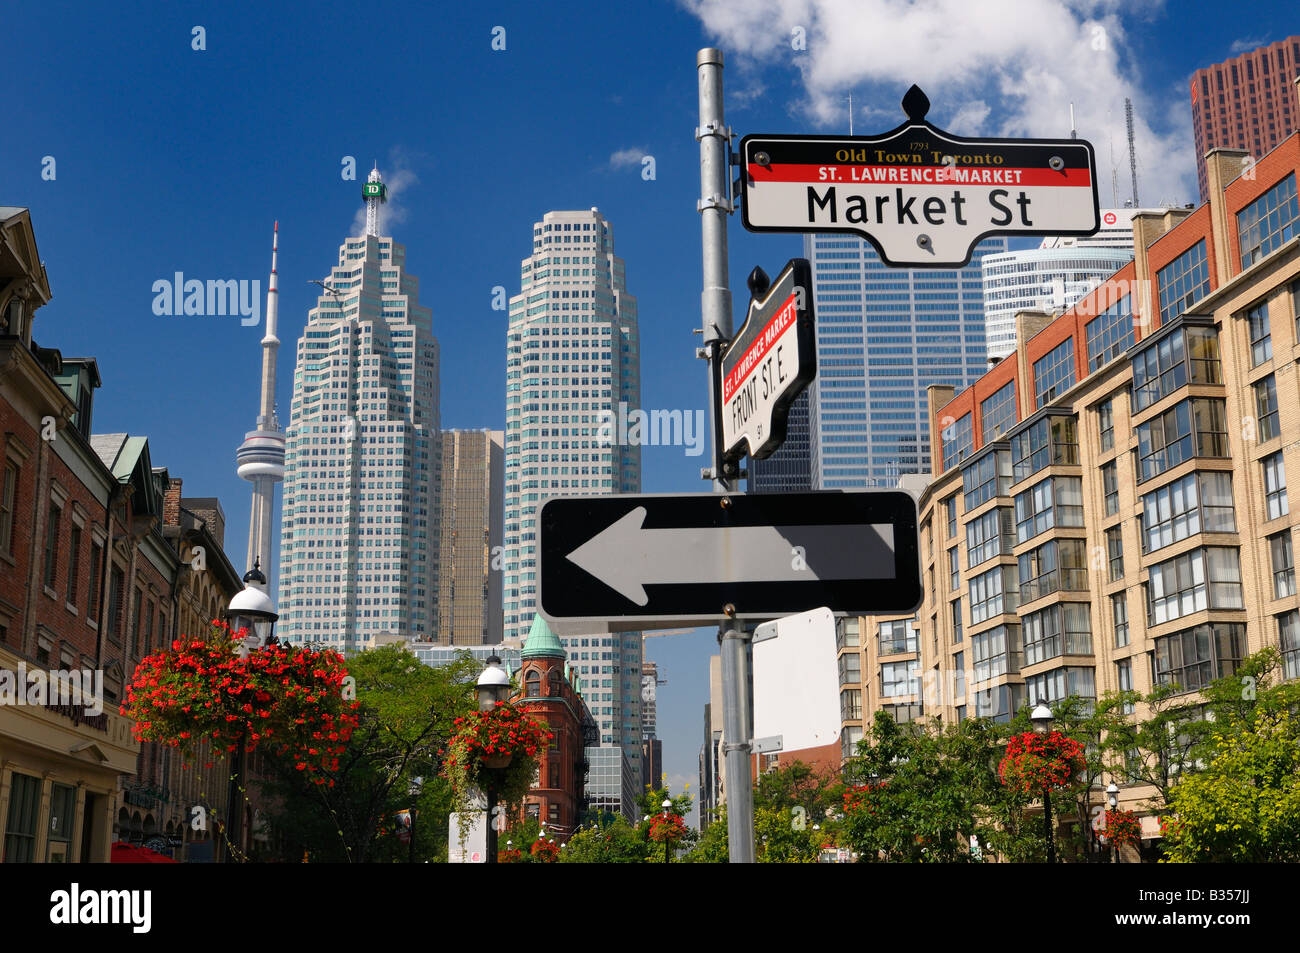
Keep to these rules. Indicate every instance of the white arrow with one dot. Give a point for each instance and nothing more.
(627, 557)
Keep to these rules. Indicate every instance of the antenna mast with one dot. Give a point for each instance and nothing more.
(1132, 150)
(376, 194)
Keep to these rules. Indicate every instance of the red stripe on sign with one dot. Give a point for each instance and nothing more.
(918, 175)
(756, 351)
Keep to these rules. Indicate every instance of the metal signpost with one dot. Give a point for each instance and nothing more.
(770, 362)
(922, 197)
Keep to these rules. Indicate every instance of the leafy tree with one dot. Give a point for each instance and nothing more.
(1243, 805)
(406, 718)
(617, 842)
(712, 846)
(1153, 746)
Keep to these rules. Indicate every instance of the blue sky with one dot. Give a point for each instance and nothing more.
(170, 159)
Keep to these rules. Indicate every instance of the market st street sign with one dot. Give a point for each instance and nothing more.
(772, 358)
(922, 197)
(636, 562)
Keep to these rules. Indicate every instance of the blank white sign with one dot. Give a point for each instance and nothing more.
(796, 682)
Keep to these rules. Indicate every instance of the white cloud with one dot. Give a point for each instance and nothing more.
(626, 158)
(398, 177)
(1245, 43)
(996, 68)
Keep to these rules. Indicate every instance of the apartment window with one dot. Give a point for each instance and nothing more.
(1106, 424)
(849, 739)
(1119, 616)
(1279, 547)
(904, 714)
(989, 535)
(1288, 633)
(1109, 334)
(847, 634)
(1110, 487)
(1060, 683)
(1183, 282)
(52, 545)
(1115, 553)
(993, 593)
(1062, 629)
(553, 775)
(998, 413)
(74, 564)
(1056, 501)
(1198, 502)
(954, 575)
(1266, 408)
(957, 441)
(1275, 503)
(951, 505)
(1261, 341)
(850, 668)
(996, 652)
(8, 493)
(1185, 355)
(116, 581)
(1124, 678)
(96, 567)
(987, 477)
(1267, 223)
(137, 622)
(1193, 658)
(1201, 579)
(1054, 373)
(1049, 442)
(898, 679)
(1195, 427)
(956, 621)
(894, 638)
(20, 826)
(1057, 564)
(851, 704)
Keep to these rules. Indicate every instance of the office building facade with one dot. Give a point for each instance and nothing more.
(573, 357)
(360, 539)
(471, 558)
(1248, 102)
(883, 336)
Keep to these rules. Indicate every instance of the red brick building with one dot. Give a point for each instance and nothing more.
(552, 691)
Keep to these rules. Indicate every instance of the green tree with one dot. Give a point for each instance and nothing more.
(406, 718)
(1243, 804)
(711, 847)
(616, 842)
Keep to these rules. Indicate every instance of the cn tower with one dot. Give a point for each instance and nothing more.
(260, 458)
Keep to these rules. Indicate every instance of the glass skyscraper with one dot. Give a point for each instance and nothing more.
(573, 355)
(359, 542)
(883, 336)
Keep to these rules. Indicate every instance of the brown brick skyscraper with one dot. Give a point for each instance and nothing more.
(1248, 102)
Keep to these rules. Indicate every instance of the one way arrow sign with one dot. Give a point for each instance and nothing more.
(636, 562)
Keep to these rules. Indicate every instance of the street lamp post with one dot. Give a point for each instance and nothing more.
(493, 686)
(252, 611)
(667, 840)
(1112, 798)
(1041, 717)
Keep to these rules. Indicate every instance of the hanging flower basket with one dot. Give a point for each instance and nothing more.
(1123, 827)
(1036, 762)
(546, 851)
(667, 828)
(289, 698)
(505, 741)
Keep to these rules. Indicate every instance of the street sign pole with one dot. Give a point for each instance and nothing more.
(715, 308)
